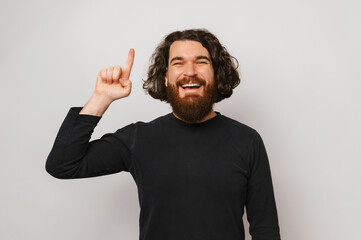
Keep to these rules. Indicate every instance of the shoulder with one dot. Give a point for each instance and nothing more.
(145, 127)
(237, 126)
(153, 123)
(240, 132)
(140, 129)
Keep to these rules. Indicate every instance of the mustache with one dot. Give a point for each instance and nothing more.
(197, 80)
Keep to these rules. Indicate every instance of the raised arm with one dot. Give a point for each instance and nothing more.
(72, 155)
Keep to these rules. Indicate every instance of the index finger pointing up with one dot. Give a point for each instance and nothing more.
(129, 64)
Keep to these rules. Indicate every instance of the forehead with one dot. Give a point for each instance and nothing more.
(187, 49)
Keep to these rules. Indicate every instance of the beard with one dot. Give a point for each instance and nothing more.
(192, 107)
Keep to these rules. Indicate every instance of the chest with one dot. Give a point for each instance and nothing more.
(193, 169)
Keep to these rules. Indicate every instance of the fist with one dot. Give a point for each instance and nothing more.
(113, 82)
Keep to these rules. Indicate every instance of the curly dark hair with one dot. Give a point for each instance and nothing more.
(225, 69)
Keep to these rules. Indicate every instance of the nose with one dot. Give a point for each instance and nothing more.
(190, 70)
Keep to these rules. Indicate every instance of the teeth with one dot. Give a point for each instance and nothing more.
(190, 85)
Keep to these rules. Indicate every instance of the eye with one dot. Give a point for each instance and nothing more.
(177, 63)
(202, 62)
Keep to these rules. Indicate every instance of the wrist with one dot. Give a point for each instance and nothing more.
(96, 105)
(100, 99)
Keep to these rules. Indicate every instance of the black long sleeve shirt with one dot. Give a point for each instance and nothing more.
(193, 180)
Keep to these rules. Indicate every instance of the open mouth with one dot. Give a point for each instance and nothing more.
(191, 86)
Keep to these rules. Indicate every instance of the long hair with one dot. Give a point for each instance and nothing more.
(225, 66)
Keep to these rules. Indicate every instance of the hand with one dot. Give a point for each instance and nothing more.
(113, 82)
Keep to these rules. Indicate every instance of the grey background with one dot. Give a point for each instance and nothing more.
(300, 67)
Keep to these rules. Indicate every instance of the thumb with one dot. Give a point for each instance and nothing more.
(125, 82)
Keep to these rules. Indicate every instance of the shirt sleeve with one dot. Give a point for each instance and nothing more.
(260, 202)
(73, 156)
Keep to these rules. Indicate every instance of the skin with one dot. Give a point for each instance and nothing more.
(112, 83)
(189, 61)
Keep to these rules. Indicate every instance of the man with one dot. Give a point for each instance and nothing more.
(195, 169)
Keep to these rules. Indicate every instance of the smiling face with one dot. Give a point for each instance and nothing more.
(189, 68)
(189, 81)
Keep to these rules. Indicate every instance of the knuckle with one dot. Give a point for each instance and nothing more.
(103, 73)
(110, 69)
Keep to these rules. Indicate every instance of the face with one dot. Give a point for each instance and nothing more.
(189, 68)
(190, 80)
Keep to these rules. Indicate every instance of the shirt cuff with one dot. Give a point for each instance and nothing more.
(74, 114)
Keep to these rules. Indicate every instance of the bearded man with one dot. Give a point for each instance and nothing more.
(195, 169)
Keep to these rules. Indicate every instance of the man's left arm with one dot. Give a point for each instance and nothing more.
(260, 203)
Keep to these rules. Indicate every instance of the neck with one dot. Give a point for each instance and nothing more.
(211, 114)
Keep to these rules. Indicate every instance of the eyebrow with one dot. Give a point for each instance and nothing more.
(197, 58)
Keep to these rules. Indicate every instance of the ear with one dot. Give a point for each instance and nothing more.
(166, 79)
